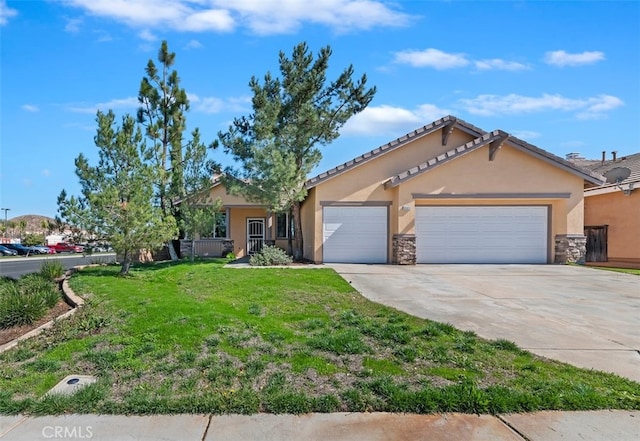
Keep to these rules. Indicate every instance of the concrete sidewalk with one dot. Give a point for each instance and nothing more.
(541, 426)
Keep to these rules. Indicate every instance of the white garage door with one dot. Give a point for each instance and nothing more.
(481, 234)
(354, 234)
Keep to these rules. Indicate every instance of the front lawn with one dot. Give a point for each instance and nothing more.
(618, 270)
(199, 338)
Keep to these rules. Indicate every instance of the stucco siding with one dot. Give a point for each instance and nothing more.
(219, 191)
(238, 227)
(622, 214)
(511, 171)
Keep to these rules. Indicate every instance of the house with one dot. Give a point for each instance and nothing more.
(612, 212)
(448, 192)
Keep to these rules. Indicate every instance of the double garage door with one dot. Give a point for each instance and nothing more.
(445, 234)
(495, 234)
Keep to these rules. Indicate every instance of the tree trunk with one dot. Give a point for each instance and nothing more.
(172, 251)
(298, 251)
(126, 263)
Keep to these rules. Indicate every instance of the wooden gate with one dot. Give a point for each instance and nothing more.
(596, 243)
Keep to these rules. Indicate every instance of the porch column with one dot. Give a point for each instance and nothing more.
(404, 249)
(268, 238)
(570, 248)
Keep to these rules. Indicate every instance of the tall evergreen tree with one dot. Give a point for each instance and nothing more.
(277, 146)
(163, 104)
(117, 198)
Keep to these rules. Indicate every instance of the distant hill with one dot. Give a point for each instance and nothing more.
(34, 222)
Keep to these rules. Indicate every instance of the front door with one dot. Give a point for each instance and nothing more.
(255, 235)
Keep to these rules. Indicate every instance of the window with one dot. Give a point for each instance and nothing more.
(220, 225)
(284, 226)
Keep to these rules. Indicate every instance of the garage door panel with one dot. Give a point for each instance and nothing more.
(355, 234)
(488, 234)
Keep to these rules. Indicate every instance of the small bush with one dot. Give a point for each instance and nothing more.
(230, 256)
(270, 256)
(36, 285)
(19, 309)
(51, 270)
(25, 301)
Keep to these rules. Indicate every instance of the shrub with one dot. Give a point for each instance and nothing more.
(51, 270)
(270, 255)
(36, 285)
(230, 256)
(25, 301)
(18, 309)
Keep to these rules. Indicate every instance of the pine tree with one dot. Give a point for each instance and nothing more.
(163, 104)
(117, 194)
(277, 146)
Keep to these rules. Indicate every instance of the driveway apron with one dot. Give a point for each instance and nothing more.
(583, 316)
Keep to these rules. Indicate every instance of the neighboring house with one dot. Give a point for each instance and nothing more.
(612, 212)
(448, 192)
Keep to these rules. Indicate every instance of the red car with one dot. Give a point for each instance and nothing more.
(64, 247)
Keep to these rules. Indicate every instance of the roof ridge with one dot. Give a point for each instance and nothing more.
(394, 144)
(442, 158)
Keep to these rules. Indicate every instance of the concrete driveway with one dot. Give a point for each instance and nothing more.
(583, 316)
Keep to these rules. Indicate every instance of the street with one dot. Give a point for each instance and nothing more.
(14, 267)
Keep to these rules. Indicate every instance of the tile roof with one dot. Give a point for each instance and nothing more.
(630, 162)
(395, 144)
(481, 138)
(480, 141)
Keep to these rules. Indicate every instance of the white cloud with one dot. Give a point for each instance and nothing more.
(214, 104)
(119, 103)
(586, 108)
(286, 16)
(598, 106)
(261, 17)
(6, 13)
(525, 134)
(193, 44)
(430, 58)
(385, 119)
(147, 35)
(73, 25)
(46, 172)
(103, 36)
(562, 58)
(499, 64)
(30, 108)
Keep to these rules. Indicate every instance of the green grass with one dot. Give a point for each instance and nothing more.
(199, 338)
(618, 270)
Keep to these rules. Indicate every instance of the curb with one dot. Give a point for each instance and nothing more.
(70, 298)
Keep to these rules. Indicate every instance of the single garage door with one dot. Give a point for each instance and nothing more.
(354, 234)
(458, 234)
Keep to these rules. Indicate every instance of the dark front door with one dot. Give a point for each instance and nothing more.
(596, 243)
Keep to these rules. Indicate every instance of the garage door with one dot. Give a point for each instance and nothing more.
(481, 234)
(354, 234)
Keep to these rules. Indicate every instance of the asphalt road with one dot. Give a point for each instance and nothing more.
(15, 267)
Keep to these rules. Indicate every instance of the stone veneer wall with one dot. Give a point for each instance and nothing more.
(404, 249)
(571, 248)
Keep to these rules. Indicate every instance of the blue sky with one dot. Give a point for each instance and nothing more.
(564, 76)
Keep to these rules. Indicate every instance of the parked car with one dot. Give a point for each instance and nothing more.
(65, 247)
(21, 249)
(44, 249)
(7, 251)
